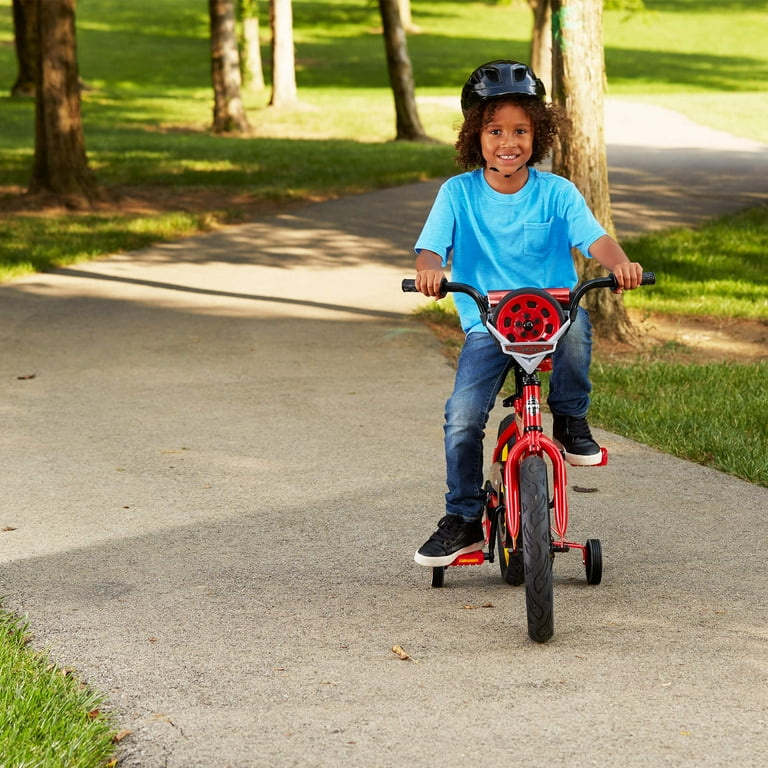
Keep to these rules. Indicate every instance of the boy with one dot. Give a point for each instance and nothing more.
(506, 225)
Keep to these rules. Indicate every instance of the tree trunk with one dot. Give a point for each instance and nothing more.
(60, 165)
(228, 110)
(541, 42)
(25, 24)
(406, 17)
(408, 125)
(284, 91)
(253, 71)
(578, 73)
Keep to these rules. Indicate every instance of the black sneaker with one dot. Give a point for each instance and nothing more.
(453, 537)
(573, 436)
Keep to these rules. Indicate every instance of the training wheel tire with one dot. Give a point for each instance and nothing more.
(593, 561)
(438, 576)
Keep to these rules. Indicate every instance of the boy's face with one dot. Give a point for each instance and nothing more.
(506, 141)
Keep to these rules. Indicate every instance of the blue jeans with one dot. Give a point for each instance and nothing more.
(480, 375)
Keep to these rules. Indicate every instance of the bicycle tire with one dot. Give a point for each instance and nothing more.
(537, 548)
(510, 561)
(593, 561)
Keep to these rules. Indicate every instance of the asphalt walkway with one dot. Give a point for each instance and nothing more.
(218, 456)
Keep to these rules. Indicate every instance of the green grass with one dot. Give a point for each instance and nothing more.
(48, 718)
(39, 244)
(717, 270)
(714, 414)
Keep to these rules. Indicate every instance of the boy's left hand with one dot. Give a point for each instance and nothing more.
(628, 275)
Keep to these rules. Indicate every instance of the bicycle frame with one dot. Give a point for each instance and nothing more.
(550, 310)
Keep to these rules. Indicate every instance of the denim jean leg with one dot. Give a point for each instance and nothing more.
(480, 374)
(569, 385)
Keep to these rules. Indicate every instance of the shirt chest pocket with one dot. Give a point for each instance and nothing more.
(538, 239)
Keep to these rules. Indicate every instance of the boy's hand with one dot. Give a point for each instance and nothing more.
(628, 275)
(428, 281)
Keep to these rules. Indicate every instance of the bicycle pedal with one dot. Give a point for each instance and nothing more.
(470, 558)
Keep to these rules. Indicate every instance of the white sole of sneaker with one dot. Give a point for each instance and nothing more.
(438, 562)
(583, 461)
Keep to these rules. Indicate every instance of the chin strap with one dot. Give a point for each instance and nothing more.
(506, 175)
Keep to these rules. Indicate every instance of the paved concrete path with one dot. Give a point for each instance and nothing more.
(231, 448)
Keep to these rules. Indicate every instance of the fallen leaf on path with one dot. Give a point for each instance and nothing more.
(8, 528)
(581, 489)
(475, 607)
(27, 377)
(401, 653)
(120, 735)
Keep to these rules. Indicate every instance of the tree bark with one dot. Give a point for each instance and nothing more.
(578, 73)
(406, 16)
(408, 125)
(253, 72)
(24, 25)
(284, 91)
(228, 109)
(541, 42)
(60, 165)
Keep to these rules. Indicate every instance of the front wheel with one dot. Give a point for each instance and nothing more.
(537, 548)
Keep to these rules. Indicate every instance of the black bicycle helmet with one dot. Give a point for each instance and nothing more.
(500, 78)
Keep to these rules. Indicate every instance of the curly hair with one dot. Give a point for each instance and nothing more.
(547, 120)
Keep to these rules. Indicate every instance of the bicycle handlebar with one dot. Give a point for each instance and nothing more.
(609, 281)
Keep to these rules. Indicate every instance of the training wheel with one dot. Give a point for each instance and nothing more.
(593, 561)
(438, 576)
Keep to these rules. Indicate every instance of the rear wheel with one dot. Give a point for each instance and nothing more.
(505, 422)
(537, 548)
(510, 560)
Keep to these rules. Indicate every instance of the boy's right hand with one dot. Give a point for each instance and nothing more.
(429, 281)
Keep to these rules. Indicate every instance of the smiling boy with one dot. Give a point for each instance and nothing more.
(504, 225)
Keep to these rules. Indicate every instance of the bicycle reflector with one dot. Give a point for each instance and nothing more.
(527, 315)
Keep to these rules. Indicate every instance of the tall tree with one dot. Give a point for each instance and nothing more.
(406, 16)
(541, 41)
(284, 91)
(228, 109)
(60, 164)
(408, 124)
(253, 72)
(25, 24)
(578, 73)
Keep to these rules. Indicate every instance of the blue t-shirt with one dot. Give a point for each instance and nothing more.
(498, 241)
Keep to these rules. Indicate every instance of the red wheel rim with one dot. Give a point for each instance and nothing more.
(527, 315)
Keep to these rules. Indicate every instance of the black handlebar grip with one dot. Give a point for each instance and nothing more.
(649, 278)
(409, 285)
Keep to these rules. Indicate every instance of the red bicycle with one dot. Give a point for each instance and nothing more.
(520, 502)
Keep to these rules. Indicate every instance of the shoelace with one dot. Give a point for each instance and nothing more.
(448, 527)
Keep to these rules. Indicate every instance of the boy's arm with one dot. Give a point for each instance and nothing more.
(429, 273)
(611, 256)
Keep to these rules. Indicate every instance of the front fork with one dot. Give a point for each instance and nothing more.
(528, 439)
